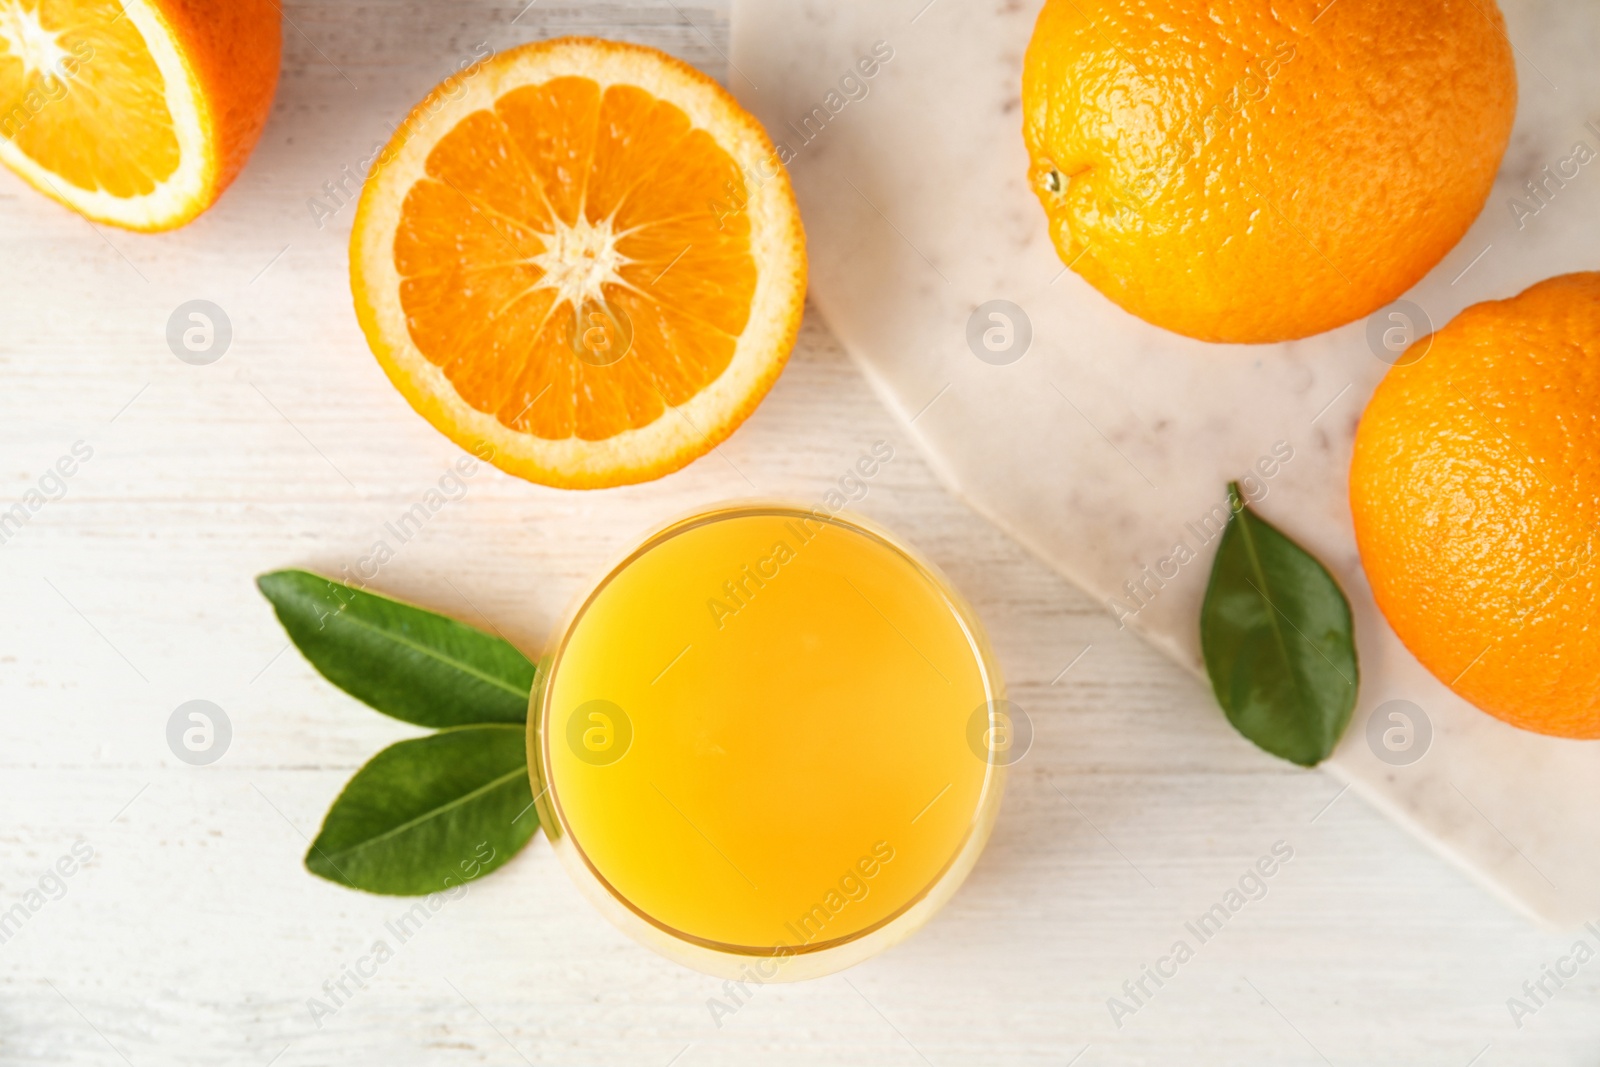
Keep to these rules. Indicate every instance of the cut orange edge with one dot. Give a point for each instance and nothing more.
(185, 193)
(681, 434)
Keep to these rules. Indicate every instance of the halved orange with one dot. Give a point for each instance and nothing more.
(137, 113)
(581, 259)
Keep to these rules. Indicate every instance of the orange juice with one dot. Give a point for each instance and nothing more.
(757, 739)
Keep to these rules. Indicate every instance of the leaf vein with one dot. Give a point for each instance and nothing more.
(431, 813)
(1272, 611)
(460, 665)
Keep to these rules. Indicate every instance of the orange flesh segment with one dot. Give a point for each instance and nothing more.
(515, 196)
(80, 94)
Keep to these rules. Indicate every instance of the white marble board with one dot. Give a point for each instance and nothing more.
(1103, 447)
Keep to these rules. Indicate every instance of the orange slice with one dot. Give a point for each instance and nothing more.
(136, 113)
(582, 260)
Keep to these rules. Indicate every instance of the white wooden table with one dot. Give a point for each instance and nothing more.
(193, 935)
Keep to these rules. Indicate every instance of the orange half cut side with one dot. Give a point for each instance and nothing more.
(137, 113)
(582, 260)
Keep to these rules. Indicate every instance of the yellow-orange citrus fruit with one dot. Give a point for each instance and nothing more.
(1476, 493)
(582, 260)
(137, 113)
(1262, 170)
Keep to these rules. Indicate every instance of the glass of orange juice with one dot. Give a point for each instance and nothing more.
(765, 746)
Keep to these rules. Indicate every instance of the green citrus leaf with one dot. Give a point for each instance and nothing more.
(1278, 641)
(412, 664)
(427, 814)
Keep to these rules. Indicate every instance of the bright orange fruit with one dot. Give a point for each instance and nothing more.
(1476, 494)
(138, 113)
(1261, 170)
(581, 259)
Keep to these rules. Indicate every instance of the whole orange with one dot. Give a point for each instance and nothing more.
(1476, 494)
(1262, 170)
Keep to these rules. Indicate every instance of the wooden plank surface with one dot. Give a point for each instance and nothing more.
(193, 936)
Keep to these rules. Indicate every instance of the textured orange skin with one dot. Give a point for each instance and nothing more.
(1475, 488)
(235, 46)
(1233, 172)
